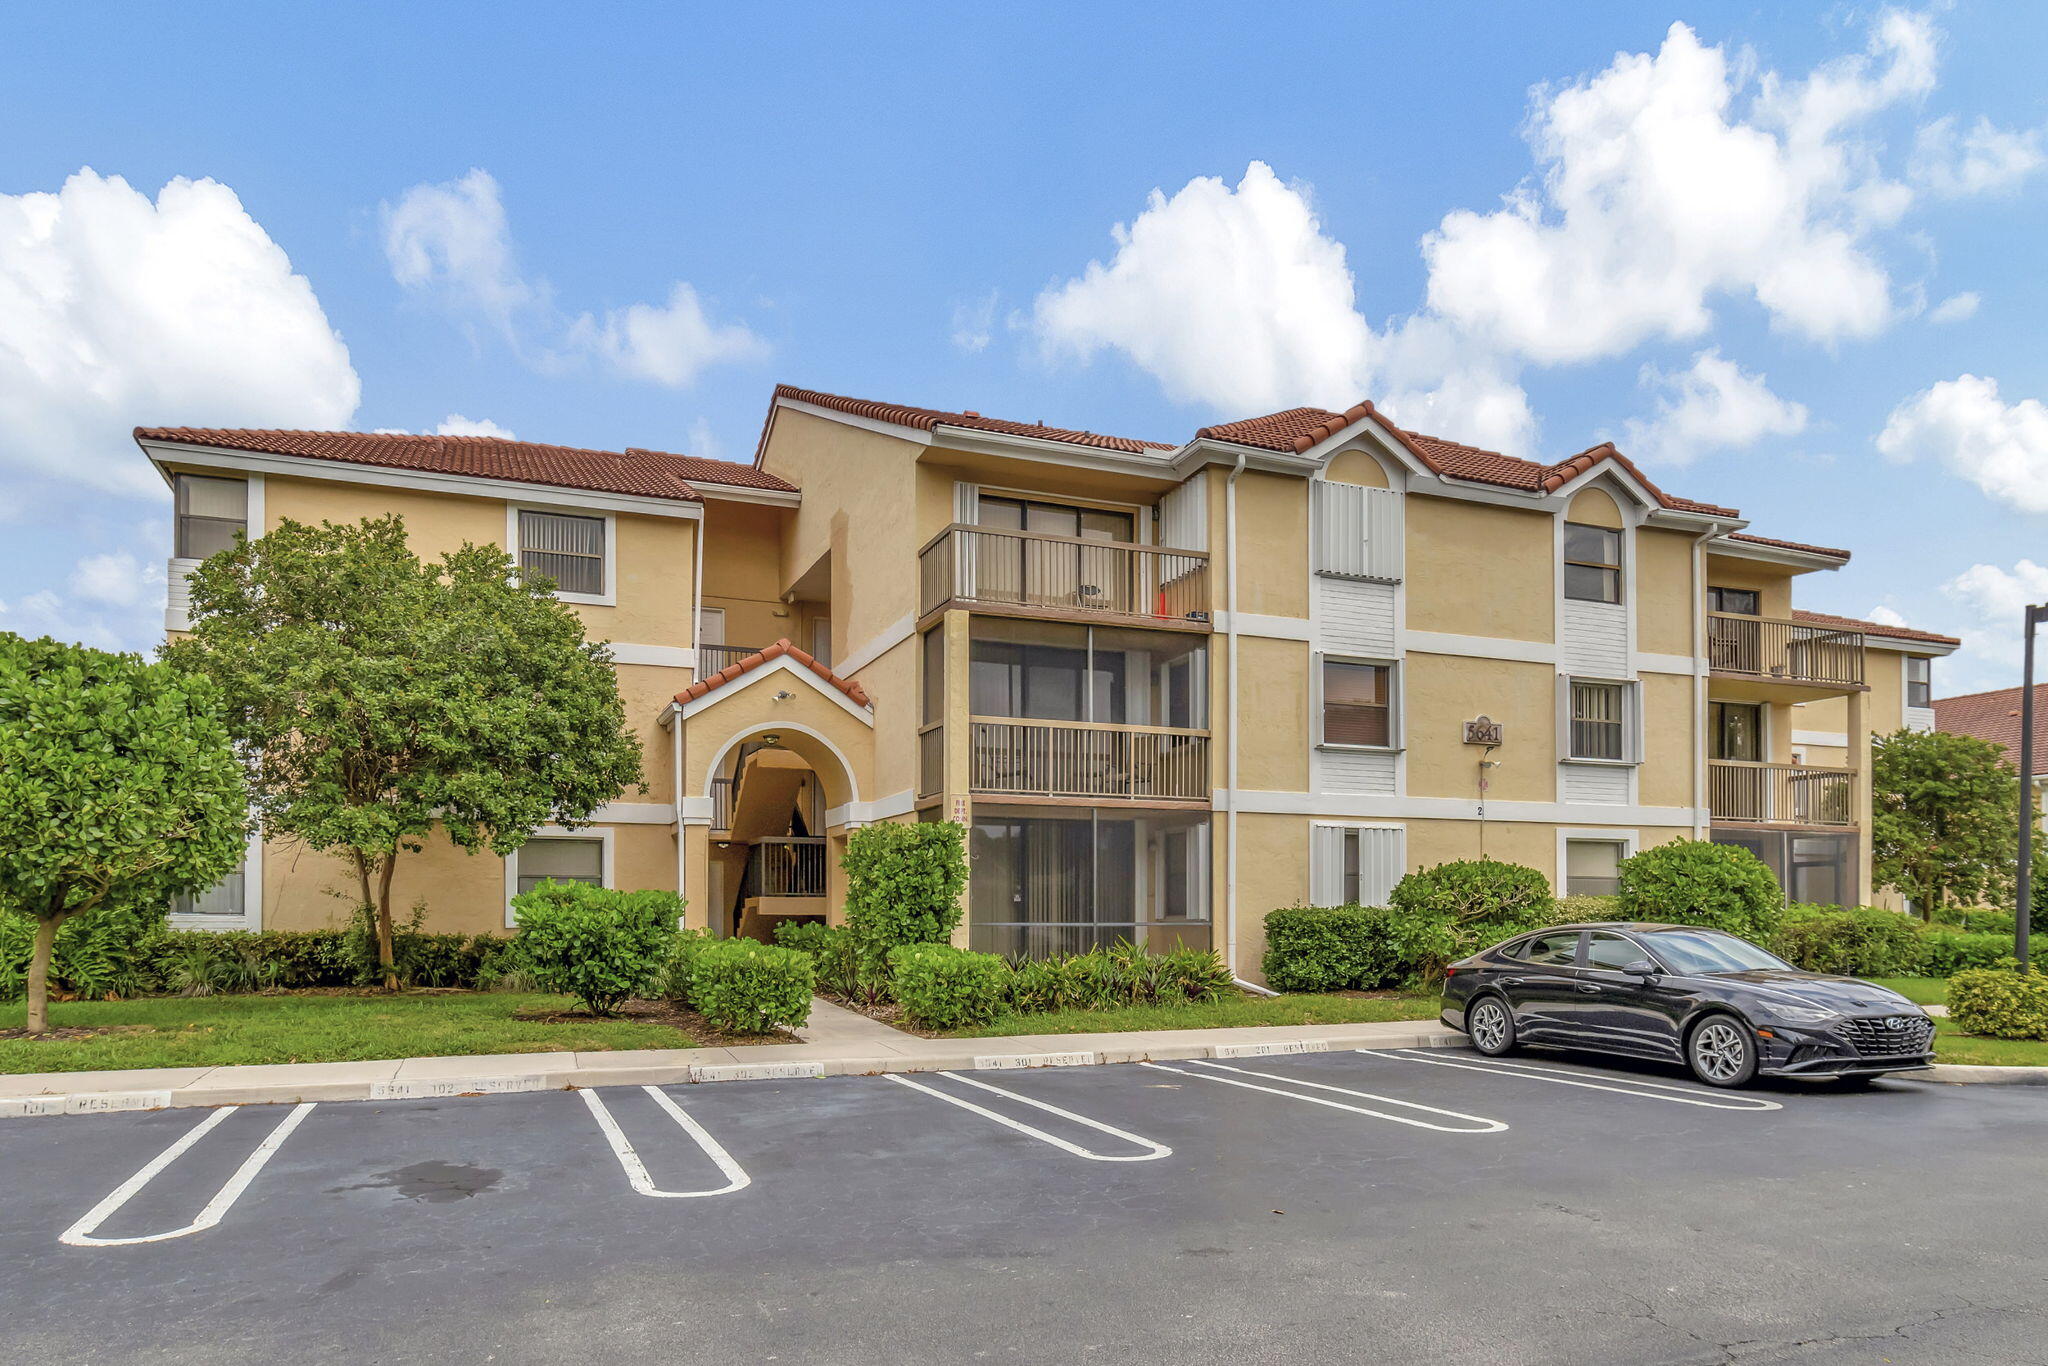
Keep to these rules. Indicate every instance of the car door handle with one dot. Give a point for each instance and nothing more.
(1589, 989)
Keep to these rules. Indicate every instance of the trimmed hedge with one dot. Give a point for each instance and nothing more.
(744, 986)
(903, 885)
(1865, 941)
(1944, 953)
(1697, 882)
(595, 943)
(2000, 1003)
(1334, 948)
(941, 987)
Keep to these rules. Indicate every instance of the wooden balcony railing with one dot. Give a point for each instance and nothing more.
(1763, 647)
(1780, 794)
(994, 567)
(1069, 759)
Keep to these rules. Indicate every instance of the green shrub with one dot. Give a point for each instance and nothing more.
(1574, 910)
(102, 953)
(1191, 974)
(1976, 919)
(681, 961)
(805, 936)
(595, 943)
(1481, 898)
(1695, 882)
(1863, 941)
(1944, 952)
(747, 987)
(941, 987)
(1327, 948)
(1999, 1003)
(903, 886)
(1038, 984)
(841, 974)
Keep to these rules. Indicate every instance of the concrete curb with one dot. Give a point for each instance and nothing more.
(552, 1077)
(1971, 1074)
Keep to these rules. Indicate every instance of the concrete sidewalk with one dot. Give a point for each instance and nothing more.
(836, 1042)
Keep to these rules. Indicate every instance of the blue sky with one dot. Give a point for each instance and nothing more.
(1790, 261)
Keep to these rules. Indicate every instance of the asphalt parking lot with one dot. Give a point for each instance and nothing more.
(1395, 1206)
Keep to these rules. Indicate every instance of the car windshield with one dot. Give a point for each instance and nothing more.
(1698, 951)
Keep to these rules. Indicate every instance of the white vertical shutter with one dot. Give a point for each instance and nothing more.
(1357, 531)
(1184, 516)
(1382, 859)
(966, 502)
(1325, 865)
(1383, 534)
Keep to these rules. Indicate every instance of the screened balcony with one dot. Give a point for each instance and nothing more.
(1037, 574)
(1745, 793)
(1769, 651)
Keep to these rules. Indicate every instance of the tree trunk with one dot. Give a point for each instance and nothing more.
(39, 975)
(385, 956)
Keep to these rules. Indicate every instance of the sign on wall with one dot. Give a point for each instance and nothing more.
(1482, 731)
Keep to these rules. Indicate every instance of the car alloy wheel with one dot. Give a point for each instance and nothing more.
(1721, 1053)
(1492, 1031)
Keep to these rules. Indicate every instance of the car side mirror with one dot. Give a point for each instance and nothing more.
(1642, 967)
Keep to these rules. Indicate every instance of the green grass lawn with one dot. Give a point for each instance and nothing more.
(216, 1030)
(1226, 1014)
(1926, 991)
(1951, 1046)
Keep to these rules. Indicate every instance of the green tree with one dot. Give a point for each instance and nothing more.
(1945, 818)
(376, 697)
(903, 886)
(118, 790)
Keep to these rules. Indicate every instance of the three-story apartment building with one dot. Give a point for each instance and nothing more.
(1166, 688)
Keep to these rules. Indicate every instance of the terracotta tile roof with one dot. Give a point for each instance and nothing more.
(1299, 429)
(700, 470)
(1871, 628)
(1995, 716)
(748, 664)
(1829, 551)
(644, 474)
(930, 419)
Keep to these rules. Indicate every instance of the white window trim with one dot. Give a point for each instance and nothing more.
(1629, 840)
(610, 596)
(1396, 703)
(251, 917)
(600, 833)
(1631, 722)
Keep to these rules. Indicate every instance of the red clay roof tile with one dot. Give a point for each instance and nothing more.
(749, 663)
(1995, 716)
(1870, 628)
(930, 419)
(1829, 551)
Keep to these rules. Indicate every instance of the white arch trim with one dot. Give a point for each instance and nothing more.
(781, 664)
(718, 759)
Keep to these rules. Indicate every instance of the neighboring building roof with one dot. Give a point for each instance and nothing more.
(1995, 716)
(1874, 628)
(1828, 551)
(780, 648)
(929, 419)
(642, 473)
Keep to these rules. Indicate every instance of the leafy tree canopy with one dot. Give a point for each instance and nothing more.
(1945, 818)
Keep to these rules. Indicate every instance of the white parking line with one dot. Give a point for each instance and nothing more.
(80, 1233)
(736, 1177)
(1623, 1086)
(1157, 1150)
(1482, 1124)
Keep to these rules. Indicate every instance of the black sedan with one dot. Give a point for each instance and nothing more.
(1727, 1009)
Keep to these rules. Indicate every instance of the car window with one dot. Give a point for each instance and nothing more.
(1611, 951)
(1700, 951)
(1553, 950)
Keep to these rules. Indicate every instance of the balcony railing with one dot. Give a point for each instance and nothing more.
(931, 761)
(1780, 794)
(993, 567)
(712, 658)
(785, 866)
(1762, 647)
(722, 793)
(1063, 759)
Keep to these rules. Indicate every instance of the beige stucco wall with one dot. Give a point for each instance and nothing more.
(1272, 544)
(1595, 507)
(1442, 692)
(1272, 696)
(1774, 586)
(1669, 746)
(1664, 599)
(1479, 570)
(1356, 467)
(860, 510)
(743, 572)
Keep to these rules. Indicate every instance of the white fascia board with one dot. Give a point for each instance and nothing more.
(1615, 474)
(1772, 554)
(1379, 806)
(1209, 451)
(867, 813)
(746, 493)
(661, 656)
(781, 664)
(1928, 648)
(463, 485)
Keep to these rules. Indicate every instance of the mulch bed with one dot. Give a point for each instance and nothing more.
(700, 1030)
(72, 1032)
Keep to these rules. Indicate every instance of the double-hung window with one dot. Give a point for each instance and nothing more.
(1598, 721)
(566, 548)
(1358, 704)
(210, 513)
(1740, 602)
(1593, 868)
(1919, 681)
(1592, 563)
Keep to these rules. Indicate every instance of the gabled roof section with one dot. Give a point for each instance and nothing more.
(1995, 716)
(644, 474)
(1302, 429)
(780, 649)
(1875, 628)
(931, 419)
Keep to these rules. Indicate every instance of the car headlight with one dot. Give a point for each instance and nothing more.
(1809, 1015)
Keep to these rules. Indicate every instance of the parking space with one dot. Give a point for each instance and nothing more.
(1307, 1197)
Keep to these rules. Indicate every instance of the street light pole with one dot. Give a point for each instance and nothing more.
(2023, 917)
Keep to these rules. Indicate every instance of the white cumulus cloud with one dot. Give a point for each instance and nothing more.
(1994, 600)
(1964, 424)
(1711, 405)
(453, 242)
(117, 310)
(1955, 308)
(455, 424)
(974, 323)
(1985, 160)
(1884, 616)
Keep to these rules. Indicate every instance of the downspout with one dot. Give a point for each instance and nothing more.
(674, 718)
(676, 711)
(1231, 709)
(1699, 680)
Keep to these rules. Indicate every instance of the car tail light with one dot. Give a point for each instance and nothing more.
(1449, 973)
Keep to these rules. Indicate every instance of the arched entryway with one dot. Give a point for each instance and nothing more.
(778, 797)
